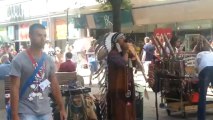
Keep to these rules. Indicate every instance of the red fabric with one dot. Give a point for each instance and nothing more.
(161, 31)
(67, 66)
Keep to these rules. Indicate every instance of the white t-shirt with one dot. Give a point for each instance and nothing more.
(204, 59)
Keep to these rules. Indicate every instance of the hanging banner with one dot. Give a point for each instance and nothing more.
(161, 31)
(24, 32)
(80, 22)
(105, 20)
(74, 32)
(61, 29)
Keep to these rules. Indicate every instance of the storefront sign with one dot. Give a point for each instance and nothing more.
(105, 19)
(11, 32)
(61, 29)
(15, 12)
(159, 32)
(26, 9)
(74, 24)
(24, 32)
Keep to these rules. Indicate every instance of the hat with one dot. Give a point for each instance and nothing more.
(109, 40)
(117, 36)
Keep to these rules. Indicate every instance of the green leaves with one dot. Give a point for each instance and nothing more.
(106, 4)
(126, 4)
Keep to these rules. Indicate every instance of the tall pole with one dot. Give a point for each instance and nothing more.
(116, 5)
(67, 24)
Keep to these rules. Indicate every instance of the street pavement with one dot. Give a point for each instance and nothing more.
(149, 109)
(2, 114)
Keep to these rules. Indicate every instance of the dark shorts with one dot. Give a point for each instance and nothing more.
(93, 66)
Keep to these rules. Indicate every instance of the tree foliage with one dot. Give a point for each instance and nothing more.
(106, 5)
(115, 6)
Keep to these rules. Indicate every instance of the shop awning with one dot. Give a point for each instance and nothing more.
(104, 20)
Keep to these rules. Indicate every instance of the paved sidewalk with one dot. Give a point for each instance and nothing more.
(2, 114)
(149, 105)
(149, 109)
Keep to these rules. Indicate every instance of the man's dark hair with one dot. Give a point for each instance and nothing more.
(35, 26)
(69, 55)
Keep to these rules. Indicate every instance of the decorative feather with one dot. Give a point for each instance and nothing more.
(108, 42)
(99, 73)
(97, 48)
(103, 78)
(103, 89)
(101, 53)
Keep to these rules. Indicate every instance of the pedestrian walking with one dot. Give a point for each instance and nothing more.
(32, 79)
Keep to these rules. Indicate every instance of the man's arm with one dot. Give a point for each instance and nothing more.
(197, 62)
(15, 85)
(143, 56)
(57, 96)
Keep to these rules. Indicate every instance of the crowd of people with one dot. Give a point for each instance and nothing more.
(32, 73)
(82, 60)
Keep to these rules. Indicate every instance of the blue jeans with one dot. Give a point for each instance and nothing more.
(35, 117)
(205, 77)
(93, 66)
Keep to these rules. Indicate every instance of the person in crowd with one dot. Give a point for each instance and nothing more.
(93, 65)
(68, 48)
(6, 51)
(22, 48)
(204, 65)
(69, 65)
(58, 57)
(13, 51)
(179, 46)
(148, 54)
(32, 79)
(48, 49)
(74, 54)
(4, 67)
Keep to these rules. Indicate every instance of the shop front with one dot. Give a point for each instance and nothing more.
(102, 22)
(181, 17)
(3, 35)
(75, 30)
(60, 32)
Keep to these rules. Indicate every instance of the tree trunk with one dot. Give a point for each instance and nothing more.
(116, 13)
